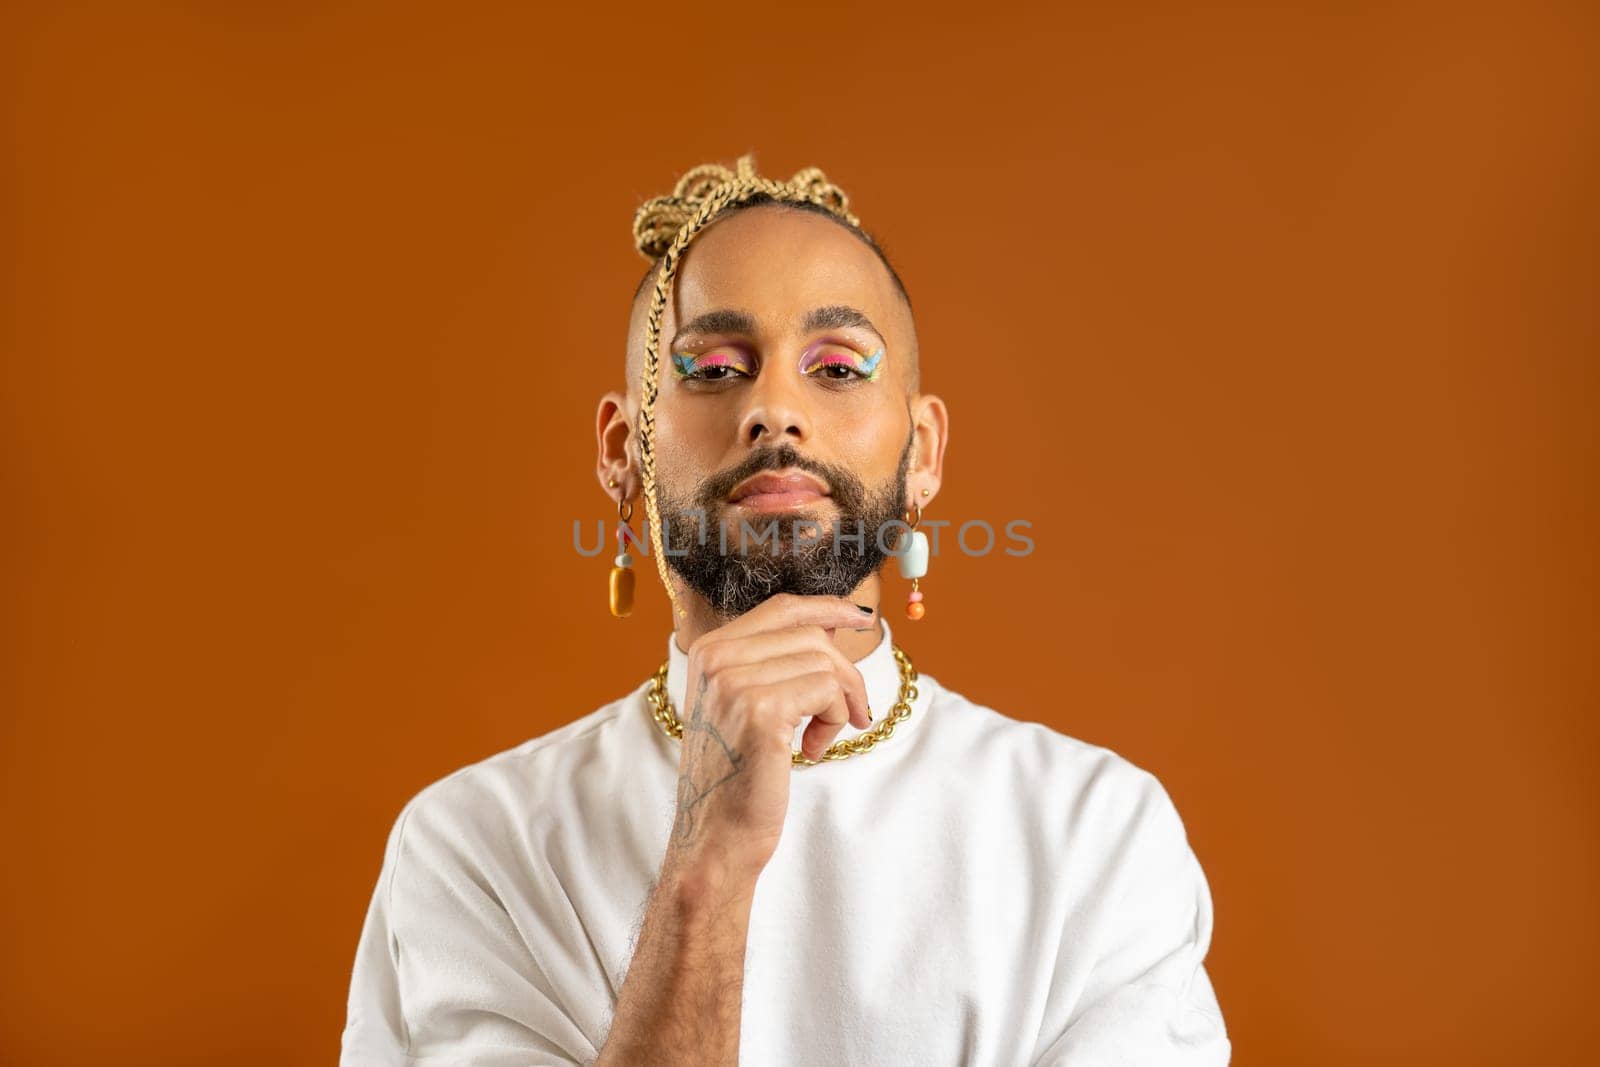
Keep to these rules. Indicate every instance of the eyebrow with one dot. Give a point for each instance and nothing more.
(837, 317)
(727, 320)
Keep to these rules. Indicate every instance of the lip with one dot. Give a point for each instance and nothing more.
(777, 490)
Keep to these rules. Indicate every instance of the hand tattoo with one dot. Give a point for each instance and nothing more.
(708, 761)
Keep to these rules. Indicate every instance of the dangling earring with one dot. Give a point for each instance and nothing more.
(913, 561)
(622, 566)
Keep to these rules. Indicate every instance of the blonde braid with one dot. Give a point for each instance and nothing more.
(663, 228)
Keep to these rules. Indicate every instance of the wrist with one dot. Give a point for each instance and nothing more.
(702, 882)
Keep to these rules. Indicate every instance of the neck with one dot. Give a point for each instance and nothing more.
(700, 619)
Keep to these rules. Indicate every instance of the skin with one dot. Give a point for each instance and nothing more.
(754, 679)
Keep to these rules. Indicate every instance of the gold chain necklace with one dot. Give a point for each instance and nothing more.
(661, 709)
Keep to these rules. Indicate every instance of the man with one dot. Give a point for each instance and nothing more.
(666, 880)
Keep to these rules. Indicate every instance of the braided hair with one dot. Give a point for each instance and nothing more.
(662, 230)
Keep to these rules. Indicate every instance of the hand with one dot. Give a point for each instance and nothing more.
(751, 683)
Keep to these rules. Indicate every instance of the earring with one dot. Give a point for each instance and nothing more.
(622, 566)
(913, 561)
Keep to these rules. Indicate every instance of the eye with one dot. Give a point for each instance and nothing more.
(709, 366)
(846, 366)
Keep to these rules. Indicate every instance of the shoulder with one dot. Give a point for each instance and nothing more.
(480, 803)
(1050, 772)
(1098, 818)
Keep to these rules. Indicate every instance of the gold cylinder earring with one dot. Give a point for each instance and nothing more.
(622, 566)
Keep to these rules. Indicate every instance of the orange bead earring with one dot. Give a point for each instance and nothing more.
(622, 566)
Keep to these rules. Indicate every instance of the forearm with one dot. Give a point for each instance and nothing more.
(680, 1002)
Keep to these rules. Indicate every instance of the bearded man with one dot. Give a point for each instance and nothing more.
(788, 847)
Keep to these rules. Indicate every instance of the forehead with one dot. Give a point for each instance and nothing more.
(776, 265)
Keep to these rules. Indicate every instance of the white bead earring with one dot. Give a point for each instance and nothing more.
(912, 559)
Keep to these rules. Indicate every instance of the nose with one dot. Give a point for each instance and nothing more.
(776, 409)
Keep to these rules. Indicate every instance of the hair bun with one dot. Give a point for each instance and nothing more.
(658, 221)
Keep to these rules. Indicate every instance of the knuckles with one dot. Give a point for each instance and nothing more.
(755, 706)
(711, 659)
(820, 662)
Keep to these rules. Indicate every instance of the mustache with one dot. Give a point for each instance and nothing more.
(844, 486)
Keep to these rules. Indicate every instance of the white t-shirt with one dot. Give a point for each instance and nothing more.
(975, 890)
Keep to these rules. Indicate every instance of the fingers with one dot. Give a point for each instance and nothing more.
(822, 729)
(807, 650)
(785, 703)
(777, 665)
(789, 610)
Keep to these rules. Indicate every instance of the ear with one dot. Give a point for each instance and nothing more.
(930, 430)
(613, 434)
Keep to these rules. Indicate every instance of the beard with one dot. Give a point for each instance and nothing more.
(736, 569)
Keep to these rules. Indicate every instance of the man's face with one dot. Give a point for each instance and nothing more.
(783, 426)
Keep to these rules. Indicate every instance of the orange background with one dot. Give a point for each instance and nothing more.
(1277, 325)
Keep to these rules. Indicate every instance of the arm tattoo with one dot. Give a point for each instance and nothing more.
(707, 762)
